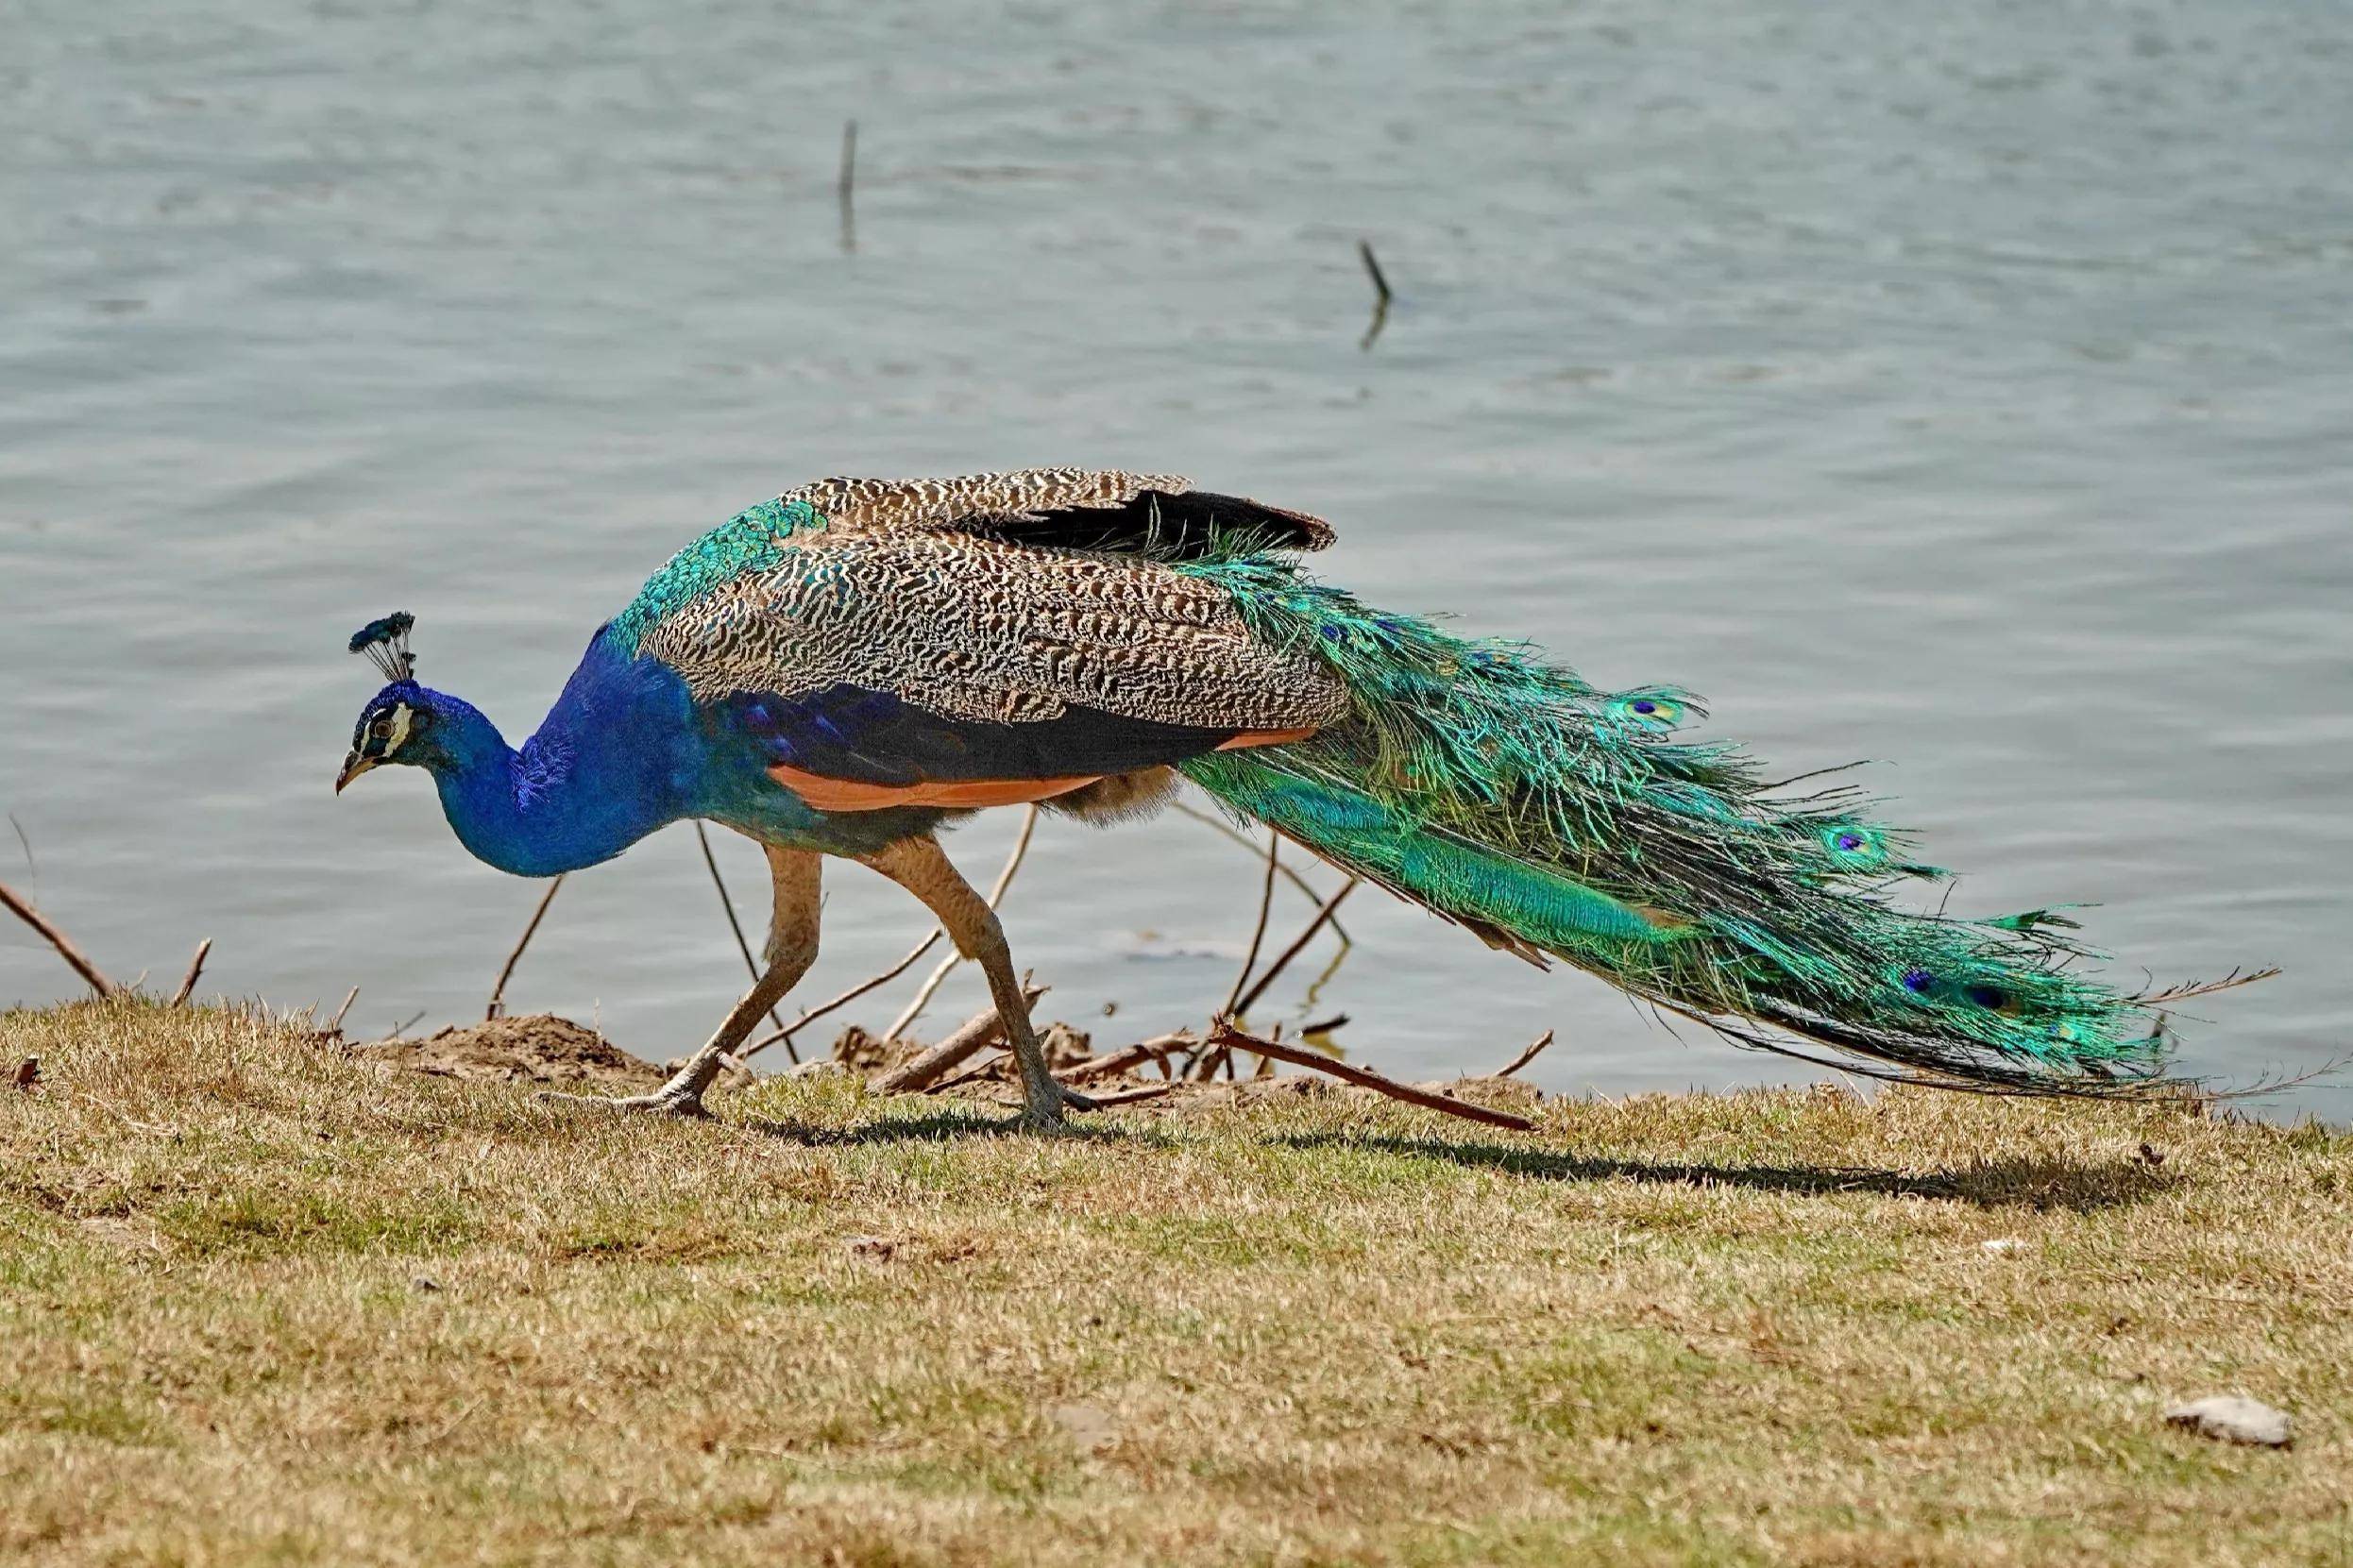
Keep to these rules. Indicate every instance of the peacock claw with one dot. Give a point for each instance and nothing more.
(681, 1096)
(1046, 1115)
(687, 1107)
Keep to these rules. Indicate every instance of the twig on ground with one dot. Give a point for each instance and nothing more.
(996, 894)
(1305, 887)
(451, 1427)
(1128, 1097)
(188, 981)
(334, 1025)
(18, 906)
(1230, 1038)
(1380, 292)
(1258, 932)
(1113, 1063)
(497, 992)
(400, 1028)
(1298, 945)
(986, 1069)
(1527, 1055)
(845, 183)
(703, 837)
(977, 1033)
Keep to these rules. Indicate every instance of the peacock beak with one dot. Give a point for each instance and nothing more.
(353, 766)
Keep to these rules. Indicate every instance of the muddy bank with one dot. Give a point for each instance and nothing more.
(544, 1049)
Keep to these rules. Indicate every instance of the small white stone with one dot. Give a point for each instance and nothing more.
(2236, 1419)
(1090, 1426)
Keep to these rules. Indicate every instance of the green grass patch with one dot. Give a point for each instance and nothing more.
(263, 1302)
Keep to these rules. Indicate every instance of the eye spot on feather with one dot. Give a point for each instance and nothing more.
(1856, 847)
(1992, 998)
(1649, 713)
(1918, 982)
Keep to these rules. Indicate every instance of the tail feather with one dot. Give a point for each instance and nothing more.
(1553, 818)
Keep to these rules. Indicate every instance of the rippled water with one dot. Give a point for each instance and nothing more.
(1958, 386)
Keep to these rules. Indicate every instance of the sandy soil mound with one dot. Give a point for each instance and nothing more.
(537, 1048)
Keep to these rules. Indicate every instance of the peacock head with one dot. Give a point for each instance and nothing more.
(398, 723)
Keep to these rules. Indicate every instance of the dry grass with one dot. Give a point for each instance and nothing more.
(1753, 1329)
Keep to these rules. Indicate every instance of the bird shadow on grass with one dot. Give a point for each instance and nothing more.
(941, 1126)
(2039, 1183)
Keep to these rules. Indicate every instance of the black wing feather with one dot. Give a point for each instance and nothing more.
(1177, 525)
(863, 737)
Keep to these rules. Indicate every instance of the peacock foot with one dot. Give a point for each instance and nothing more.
(681, 1097)
(661, 1102)
(1043, 1113)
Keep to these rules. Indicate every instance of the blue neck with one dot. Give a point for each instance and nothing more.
(615, 758)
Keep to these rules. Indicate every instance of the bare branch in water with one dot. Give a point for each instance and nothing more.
(22, 908)
(845, 183)
(1258, 932)
(497, 992)
(1380, 292)
(188, 981)
(1527, 1055)
(1305, 887)
(1298, 945)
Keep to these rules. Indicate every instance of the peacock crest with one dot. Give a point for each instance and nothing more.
(386, 643)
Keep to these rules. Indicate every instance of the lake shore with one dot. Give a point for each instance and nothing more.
(268, 1297)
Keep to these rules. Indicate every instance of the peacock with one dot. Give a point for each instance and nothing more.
(852, 667)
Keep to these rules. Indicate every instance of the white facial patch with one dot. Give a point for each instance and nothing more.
(399, 729)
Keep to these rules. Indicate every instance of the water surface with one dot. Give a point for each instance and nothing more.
(1960, 387)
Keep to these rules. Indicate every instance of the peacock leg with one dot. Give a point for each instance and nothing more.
(792, 949)
(920, 867)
